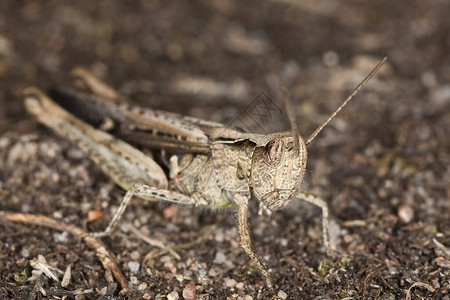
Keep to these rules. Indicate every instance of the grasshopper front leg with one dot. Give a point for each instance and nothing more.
(244, 240)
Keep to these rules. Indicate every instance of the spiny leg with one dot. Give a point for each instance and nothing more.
(316, 200)
(246, 243)
(145, 192)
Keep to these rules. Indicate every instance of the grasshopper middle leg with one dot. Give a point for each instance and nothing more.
(146, 192)
(316, 200)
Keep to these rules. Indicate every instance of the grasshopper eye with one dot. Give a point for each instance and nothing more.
(273, 152)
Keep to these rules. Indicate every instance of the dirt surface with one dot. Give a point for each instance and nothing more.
(383, 165)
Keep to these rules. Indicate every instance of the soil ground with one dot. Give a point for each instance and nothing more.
(383, 165)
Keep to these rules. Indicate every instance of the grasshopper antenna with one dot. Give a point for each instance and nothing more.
(274, 84)
(353, 93)
(291, 117)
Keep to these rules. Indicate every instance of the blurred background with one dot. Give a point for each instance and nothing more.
(383, 162)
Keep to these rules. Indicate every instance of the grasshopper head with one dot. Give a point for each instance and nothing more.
(277, 171)
(278, 166)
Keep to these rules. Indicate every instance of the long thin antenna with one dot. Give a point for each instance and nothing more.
(291, 117)
(353, 93)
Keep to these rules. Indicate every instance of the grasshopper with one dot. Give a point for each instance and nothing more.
(211, 165)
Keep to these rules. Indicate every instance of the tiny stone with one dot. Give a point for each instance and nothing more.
(61, 237)
(189, 291)
(405, 213)
(124, 227)
(248, 297)
(142, 286)
(220, 258)
(173, 296)
(170, 266)
(85, 207)
(4, 142)
(25, 252)
(135, 255)
(133, 266)
(104, 290)
(219, 237)
(57, 215)
(170, 211)
(213, 272)
(165, 258)
(330, 59)
(428, 79)
(240, 285)
(313, 233)
(147, 296)
(282, 295)
(94, 215)
(230, 282)
(134, 280)
(393, 270)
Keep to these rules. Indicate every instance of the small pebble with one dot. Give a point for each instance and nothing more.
(61, 237)
(219, 237)
(165, 258)
(189, 291)
(240, 285)
(66, 278)
(282, 295)
(405, 213)
(170, 211)
(170, 266)
(248, 297)
(135, 255)
(230, 282)
(94, 215)
(80, 297)
(25, 252)
(220, 258)
(213, 272)
(142, 286)
(134, 280)
(133, 266)
(57, 215)
(104, 290)
(173, 296)
(147, 296)
(330, 59)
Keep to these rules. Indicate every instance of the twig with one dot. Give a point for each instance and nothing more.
(153, 242)
(444, 249)
(103, 255)
(150, 257)
(419, 284)
(370, 277)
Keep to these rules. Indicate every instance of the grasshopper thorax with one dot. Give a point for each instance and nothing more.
(277, 171)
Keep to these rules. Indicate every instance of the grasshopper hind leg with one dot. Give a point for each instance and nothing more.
(85, 80)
